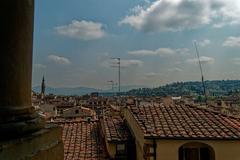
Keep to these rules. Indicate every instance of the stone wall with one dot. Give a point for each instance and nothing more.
(46, 144)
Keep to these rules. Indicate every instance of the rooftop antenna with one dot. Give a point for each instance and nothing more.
(200, 66)
(119, 73)
(112, 84)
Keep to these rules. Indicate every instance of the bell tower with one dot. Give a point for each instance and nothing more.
(43, 87)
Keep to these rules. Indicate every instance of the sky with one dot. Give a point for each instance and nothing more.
(75, 41)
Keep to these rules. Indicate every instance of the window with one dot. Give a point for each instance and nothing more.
(196, 151)
(120, 148)
(204, 154)
(149, 152)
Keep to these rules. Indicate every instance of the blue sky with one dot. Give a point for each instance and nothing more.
(75, 40)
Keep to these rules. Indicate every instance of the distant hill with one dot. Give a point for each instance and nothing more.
(214, 88)
(126, 88)
(82, 90)
(67, 91)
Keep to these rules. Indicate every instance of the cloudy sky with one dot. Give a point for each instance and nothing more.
(74, 41)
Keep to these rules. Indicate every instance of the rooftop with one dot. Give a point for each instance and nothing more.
(116, 129)
(81, 141)
(184, 122)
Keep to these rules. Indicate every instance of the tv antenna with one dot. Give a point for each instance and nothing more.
(200, 66)
(112, 84)
(119, 72)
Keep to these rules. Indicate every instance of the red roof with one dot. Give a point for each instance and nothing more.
(116, 129)
(81, 141)
(184, 122)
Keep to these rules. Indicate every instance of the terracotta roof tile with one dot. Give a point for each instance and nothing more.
(116, 129)
(81, 141)
(183, 121)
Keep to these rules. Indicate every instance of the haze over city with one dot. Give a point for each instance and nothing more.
(74, 41)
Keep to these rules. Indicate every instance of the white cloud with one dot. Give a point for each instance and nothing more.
(151, 74)
(59, 60)
(236, 61)
(132, 62)
(137, 9)
(175, 69)
(40, 66)
(160, 52)
(232, 42)
(204, 43)
(219, 25)
(177, 15)
(183, 51)
(84, 30)
(142, 53)
(126, 63)
(203, 60)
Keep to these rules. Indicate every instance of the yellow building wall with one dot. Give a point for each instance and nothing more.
(224, 150)
(168, 149)
(137, 133)
(111, 148)
(139, 151)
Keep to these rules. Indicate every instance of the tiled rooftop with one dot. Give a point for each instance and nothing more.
(184, 122)
(81, 141)
(116, 129)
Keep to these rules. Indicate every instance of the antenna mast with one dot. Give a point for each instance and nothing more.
(112, 84)
(200, 66)
(119, 73)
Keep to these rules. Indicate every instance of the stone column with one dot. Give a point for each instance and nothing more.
(17, 116)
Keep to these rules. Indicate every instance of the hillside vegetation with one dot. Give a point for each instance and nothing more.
(214, 88)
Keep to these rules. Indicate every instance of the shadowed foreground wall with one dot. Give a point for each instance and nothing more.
(45, 144)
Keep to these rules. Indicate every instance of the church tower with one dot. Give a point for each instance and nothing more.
(43, 87)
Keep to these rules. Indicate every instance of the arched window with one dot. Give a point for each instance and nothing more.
(196, 151)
